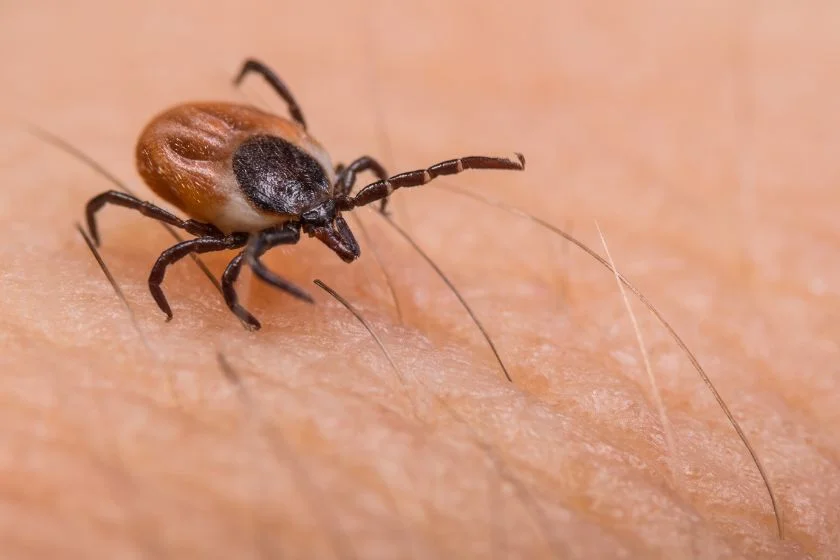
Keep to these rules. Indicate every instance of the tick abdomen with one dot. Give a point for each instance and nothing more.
(189, 153)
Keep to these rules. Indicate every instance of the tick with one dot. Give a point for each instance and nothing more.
(252, 180)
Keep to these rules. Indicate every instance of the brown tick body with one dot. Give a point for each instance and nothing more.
(249, 179)
(202, 157)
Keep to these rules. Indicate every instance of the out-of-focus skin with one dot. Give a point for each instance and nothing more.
(703, 138)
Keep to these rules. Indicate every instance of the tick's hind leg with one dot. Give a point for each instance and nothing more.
(181, 250)
(229, 277)
(147, 209)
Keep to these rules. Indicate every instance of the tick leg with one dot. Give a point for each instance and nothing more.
(181, 250)
(347, 176)
(229, 277)
(147, 209)
(384, 187)
(252, 65)
(262, 242)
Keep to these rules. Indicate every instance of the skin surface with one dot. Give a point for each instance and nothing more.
(703, 138)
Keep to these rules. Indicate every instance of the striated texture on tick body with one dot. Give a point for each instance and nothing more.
(186, 156)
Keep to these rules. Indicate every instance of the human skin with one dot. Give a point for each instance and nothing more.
(700, 136)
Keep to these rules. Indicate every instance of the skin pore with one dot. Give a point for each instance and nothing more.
(701, 136)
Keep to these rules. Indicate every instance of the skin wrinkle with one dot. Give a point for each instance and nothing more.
(282, 452)
(121, 296)
(525, 496)
(688, 352)
(626, 130)
(115, 469)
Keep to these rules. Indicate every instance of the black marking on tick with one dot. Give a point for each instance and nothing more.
(277, 176)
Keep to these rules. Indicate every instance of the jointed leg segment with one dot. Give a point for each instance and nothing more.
(181, 250)
(259, 244)
(276, 83)
(384, 187)
(229, 277)
(209, 238)
(347, 176)
(147, 209)
(262, 242)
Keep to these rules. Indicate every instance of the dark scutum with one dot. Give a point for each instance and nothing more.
(277, 176)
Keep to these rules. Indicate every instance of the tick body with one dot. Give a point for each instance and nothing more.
(252, 180)
(234, 166)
